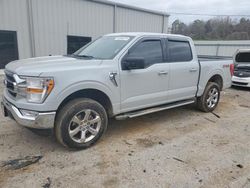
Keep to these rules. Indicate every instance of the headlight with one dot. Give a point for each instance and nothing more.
(38, 89)
(35, 89)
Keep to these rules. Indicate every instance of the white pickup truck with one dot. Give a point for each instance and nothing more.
(122, 75)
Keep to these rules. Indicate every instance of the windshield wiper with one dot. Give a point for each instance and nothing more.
(85, 56)
(82, 56)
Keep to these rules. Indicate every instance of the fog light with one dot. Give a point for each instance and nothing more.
(29, 114)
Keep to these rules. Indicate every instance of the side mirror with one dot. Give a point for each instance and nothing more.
(130, 63)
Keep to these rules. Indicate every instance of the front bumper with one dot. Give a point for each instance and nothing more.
(238, 81)
(30, 119)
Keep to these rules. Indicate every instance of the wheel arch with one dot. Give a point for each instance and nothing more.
(217, 78)
(93, 94)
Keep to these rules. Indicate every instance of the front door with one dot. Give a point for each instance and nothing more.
(146, 87)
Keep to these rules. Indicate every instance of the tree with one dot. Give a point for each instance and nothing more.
(214, 29)
(179, 27)
(197, 29)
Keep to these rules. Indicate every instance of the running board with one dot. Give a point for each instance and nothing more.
(152, 110)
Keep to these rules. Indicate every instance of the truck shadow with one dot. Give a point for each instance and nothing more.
(166, 124)
(148, 122)
(240, 88)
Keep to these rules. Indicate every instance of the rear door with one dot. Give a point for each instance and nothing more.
(145, 87)
(184, 70)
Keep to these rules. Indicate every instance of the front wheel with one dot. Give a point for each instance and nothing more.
(81, 123)
(210, 98)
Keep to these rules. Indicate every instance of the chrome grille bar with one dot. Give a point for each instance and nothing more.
(10, 84)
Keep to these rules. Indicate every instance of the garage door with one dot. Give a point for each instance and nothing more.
(76, 42)
(8, 47)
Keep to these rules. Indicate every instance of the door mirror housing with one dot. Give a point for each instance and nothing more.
(130, 63)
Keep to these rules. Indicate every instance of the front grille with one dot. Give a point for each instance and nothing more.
(10, 84)
(240, 83)
(9, 76)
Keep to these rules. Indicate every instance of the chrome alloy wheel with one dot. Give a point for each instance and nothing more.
(213, 97)
(84, 126)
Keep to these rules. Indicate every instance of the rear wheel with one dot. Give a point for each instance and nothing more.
(210, 98)
(81, 123)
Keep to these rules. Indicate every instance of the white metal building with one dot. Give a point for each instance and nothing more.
(221, 48)
(30, 28)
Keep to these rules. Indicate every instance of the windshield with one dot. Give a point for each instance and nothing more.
(105, 47)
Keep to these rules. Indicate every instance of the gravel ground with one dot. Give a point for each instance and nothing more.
(176, 148)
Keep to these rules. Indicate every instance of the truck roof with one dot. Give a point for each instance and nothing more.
(141, 34)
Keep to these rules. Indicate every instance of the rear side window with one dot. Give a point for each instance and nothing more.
(179, 51)
(150, 50)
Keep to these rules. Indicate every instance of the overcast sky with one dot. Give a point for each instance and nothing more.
(217, 7)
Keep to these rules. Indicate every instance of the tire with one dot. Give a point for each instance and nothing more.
(81, 123)
(204, 102)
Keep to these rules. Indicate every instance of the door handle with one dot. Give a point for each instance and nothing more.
(193, 70)
(162, 73)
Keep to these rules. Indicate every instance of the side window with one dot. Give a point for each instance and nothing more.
(150, 50)
(179, 51)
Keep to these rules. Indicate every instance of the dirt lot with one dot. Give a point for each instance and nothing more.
(176, 148)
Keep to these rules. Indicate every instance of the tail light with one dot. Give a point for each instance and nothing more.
(232, 69)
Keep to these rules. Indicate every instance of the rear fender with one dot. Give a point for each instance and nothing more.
(205, 77)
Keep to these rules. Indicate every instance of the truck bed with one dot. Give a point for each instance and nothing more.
(210, 65)
(213, 58)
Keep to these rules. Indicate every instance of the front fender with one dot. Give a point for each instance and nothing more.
(85, 85)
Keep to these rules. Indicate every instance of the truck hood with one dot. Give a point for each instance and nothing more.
(40, 65)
